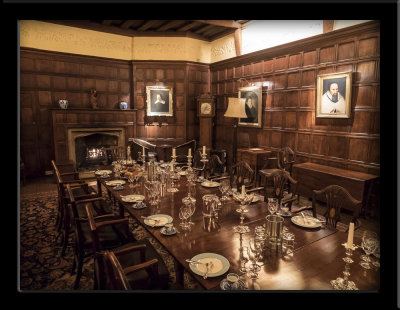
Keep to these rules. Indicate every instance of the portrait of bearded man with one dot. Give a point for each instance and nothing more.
(332, 101)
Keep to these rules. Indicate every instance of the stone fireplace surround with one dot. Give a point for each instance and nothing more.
(74, 133)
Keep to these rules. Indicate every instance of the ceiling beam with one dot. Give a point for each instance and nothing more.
(170, 24)
(147, 25)
(222, 23)
(203, 29)
(107, 22)
(238, 42)
(127, 24)
(327, 25)
(188, 26)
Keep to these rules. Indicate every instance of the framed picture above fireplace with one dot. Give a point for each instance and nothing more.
(159, 101)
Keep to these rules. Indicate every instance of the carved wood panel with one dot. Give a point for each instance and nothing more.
(289, 110)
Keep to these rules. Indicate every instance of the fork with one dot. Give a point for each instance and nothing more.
(210, 264)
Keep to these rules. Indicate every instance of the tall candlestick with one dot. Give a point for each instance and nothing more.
(190, 152)
(204, 149)
(350, 236)
(171, 167)
(143, 150)
(243, 190)
(174, 152)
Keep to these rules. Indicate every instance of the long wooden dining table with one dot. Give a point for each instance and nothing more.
(316, 260)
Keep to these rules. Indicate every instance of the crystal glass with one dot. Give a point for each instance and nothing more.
(224, 187)
(184, 214)
(369, 244)
(190, 202)
(131, 178)
(273, 205)
(245, 200)
(174, 176)
(254, 251)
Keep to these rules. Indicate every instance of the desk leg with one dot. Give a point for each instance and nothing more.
(179, 271)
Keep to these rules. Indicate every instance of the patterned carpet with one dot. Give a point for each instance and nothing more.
(41, 264)
(43, 268)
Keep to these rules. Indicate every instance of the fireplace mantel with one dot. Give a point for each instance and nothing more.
(63, 120)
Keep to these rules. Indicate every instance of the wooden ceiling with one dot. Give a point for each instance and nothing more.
(207, 30)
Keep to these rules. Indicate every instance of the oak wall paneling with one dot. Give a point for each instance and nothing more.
(289, 101)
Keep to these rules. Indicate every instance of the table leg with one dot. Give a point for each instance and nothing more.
(99, 191)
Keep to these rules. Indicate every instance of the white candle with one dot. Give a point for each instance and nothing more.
(143, 151)
(173, 152)
(190, 152)
(350, 236)
(204, 149)
(243, 190)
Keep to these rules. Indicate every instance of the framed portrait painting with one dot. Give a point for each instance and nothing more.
(333, 95)
(253, 106)
(159, 101)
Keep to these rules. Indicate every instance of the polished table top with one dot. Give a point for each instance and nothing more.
(316, 260)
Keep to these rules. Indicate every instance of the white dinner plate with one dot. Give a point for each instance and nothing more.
(132, 198)
(309, 222)
(220, 264)
(101, 172)
(210, 184)
(115, 182)
(158, 220)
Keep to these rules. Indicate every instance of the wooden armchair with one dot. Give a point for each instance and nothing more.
(113, 231)
(336, 197)
(80, 189)
(150, 150)
(240, 174)
(284, 161)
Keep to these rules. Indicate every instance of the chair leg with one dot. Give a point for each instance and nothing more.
(79, 272)
(66, 233)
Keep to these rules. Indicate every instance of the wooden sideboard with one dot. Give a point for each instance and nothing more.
(257, 157)
(313, 176)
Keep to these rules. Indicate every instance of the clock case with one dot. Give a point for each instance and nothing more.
(205, 98)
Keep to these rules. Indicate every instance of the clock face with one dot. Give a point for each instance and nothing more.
(205, 108)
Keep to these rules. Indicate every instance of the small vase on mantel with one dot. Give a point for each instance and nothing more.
(123, 105)
(63, 103)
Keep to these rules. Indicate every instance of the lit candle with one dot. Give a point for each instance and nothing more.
(204, 149)
(173, 152)
(243, 190)
(143, 151)
(350, 236)
(190, 153)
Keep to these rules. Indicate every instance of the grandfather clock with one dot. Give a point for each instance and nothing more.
(206, 113)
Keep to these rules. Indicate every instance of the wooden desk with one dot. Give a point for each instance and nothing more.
(307, 268)
(257, 157)
(313, 176)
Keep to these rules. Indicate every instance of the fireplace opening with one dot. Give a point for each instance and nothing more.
(89, 153)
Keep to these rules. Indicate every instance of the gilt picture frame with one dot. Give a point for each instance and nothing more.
(253, 106)
(159, 101)
(334, 95)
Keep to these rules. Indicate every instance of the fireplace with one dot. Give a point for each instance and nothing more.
(85, 146)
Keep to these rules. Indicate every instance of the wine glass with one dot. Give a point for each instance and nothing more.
(174, 178)
(190, 202)
(131, 178)
(254, 251)
(245, 200)
(273, 205)
(369, 244)
(184, 213)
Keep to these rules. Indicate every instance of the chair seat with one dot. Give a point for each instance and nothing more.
(110, 236)
(268, 172)
(100, 207)
(140, 279)
(79, 191)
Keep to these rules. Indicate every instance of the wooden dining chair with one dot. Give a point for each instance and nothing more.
(336, 197)
(143, 266)
(115, 233)
(240, 174)
(113, 153)
(80, 189)
(284, 161)
(111, 275)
